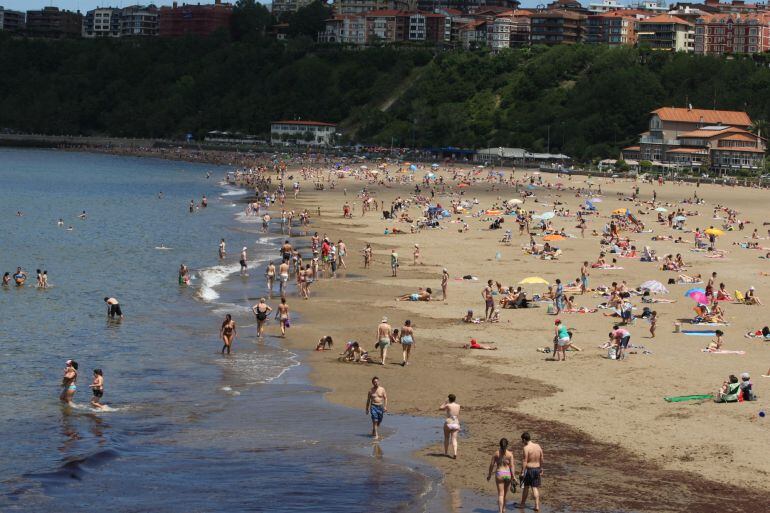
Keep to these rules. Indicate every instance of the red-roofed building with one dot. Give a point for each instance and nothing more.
(199, 20)
(555, 26)
(509, 29)
(315, 133)
(718, 34)
(696, 137)
(613, 27)
(390, 25)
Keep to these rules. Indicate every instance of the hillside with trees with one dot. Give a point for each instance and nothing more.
(586, 101)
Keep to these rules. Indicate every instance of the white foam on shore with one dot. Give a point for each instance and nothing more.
(234, 192)
(213, 276)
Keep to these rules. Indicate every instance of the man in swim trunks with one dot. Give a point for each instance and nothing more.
(283, 277)
(489, 301)
(243, 261)
(393, 263)
(383, 338)
(531, 470)
(69, 382)
(622, 337)
(20, 277)
(376, 405)
(113, 308)
(222, 249)
(286, 250)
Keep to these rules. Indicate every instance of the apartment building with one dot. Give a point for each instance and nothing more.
(51, 22)
(315, 133)
(280, 7)
(667, 33)
(139, 21)
(731, 33)
(198, 20)
(556, 26)
(11, 21)
(613, 28)
(102, 22)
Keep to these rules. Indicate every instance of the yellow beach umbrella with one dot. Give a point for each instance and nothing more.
(533, 280)
(715, 232)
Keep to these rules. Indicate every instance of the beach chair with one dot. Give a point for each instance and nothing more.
(739, 297)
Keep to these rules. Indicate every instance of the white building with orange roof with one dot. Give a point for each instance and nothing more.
(693, 138)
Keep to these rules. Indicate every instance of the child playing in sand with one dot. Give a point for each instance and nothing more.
(324, 343)
(97, 387)
(476, 345)
(716, 345)
(653, 323)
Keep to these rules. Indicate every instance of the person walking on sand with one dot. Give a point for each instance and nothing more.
(393, 263)
(489, 300)
(113, 308)
(383, 339)
(367, 255)
(503, 465)
(558, 298)
(342, 250)
(283, 316)
(227, 333)
(584, 273)
(69, 382)
(444, 283)
(376, 405)
(531, 470)
(97, 388)
(270, 276)
(416, 254)
(407, 341)
(451, 425)
(261, 310)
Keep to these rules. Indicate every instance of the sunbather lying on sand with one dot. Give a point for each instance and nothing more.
(476, 345)
(420, 295)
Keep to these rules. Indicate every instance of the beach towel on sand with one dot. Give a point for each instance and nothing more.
(698, 333)
(682, 398)
(722, 351)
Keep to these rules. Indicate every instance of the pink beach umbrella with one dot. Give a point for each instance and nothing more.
(699, 297)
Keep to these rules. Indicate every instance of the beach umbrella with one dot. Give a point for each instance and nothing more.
(533, 280)
(619, 211)
(364, 167)
(515, 201)
(661, 209)
(716, 232)
(596, 200)
(547, 215)
(413, 167)
(553, 237)
(531, 187)
(654, 286)
(434, 165)
(680, 218)
(699, 297)
(693, 291)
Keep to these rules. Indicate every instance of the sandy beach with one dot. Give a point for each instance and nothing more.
(603, 423)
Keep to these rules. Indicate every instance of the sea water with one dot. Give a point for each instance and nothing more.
(186, 429)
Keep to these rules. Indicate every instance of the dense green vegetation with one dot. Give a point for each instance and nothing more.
(590, 100)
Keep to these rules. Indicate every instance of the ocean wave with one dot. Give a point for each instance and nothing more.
(234, 192)
(213, 276)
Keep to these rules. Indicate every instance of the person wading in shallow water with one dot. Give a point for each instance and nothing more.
(376, 406)
(227, 332)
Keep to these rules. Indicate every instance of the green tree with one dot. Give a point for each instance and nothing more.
(250, 20)
(309, 20)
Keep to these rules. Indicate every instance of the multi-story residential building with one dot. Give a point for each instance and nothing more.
(666, 32)
(694, 137)
(385, 25)
(280, 7)
(613, 28)
(508, 29)
(466, 6)
(139, 21)
(342, 7)
(717, 34)
(102, 22)
(315, 133)
(346, 29)
(473, 34)
(11, 21)
(199, 20)
(553, 27)
(604, 6)
(54, 23)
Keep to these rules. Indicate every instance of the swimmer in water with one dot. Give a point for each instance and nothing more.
(97, 388)
(113, 308)
(70, 228)
(227, 332)
(222, 249)
(6, 279)
(20, 277)
(83, 215)
(60, 222)
(69, 382)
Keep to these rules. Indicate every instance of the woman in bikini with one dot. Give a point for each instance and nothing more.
(227, 333)
(261, 310)
(69, 382)
(451, 424)
(407, 341)
(502, 465)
